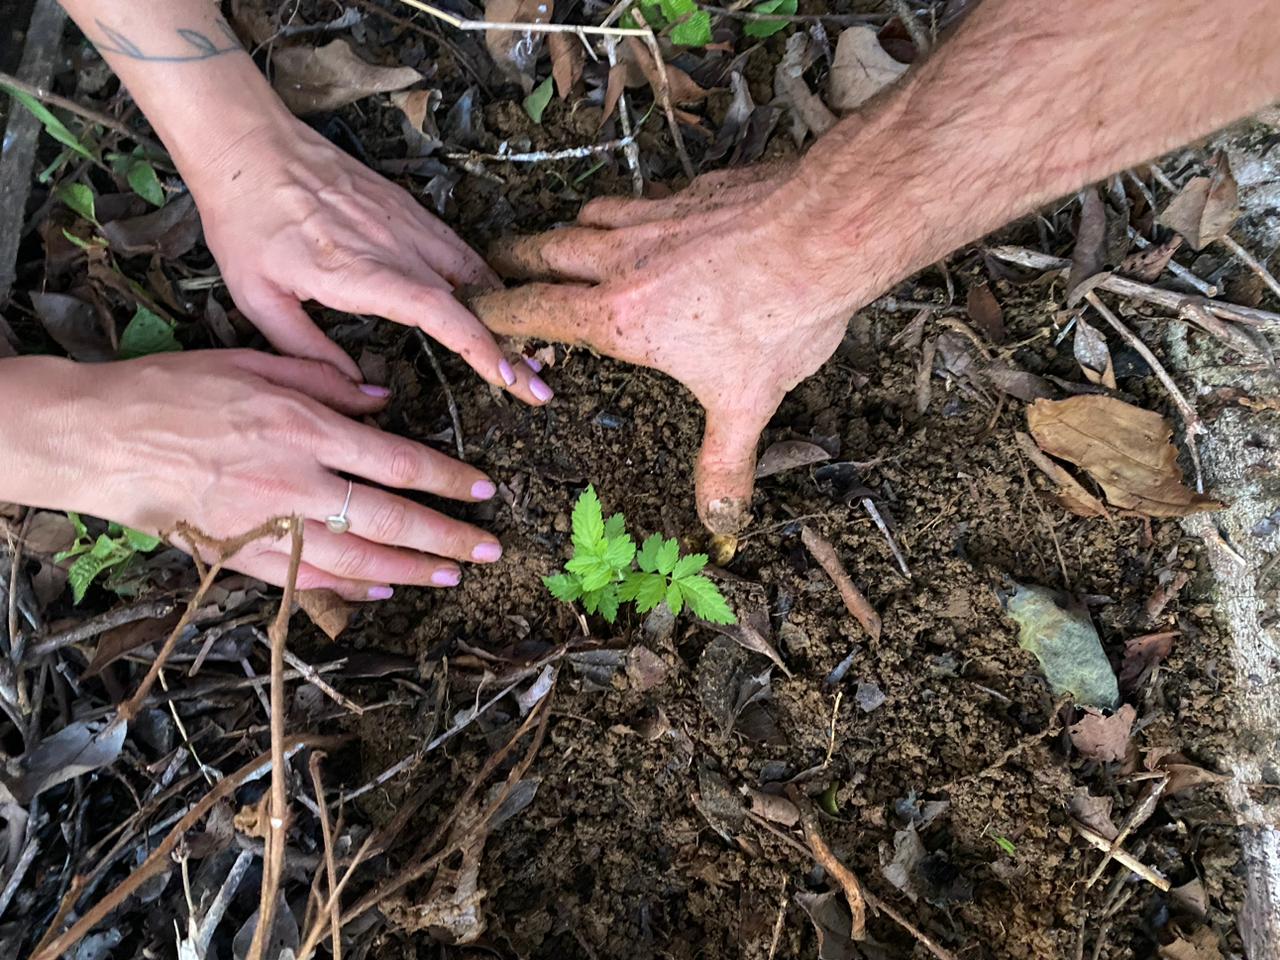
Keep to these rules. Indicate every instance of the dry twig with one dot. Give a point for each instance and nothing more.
(326, 832)
(274, 853)
(853, 598)
(1121, 856)
(831, 863)
(448, 394)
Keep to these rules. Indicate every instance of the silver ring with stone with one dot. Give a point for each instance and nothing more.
(338, 523)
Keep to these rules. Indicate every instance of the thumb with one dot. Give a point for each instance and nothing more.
(283, 322)
(725, 473)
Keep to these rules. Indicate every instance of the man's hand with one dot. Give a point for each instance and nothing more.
(697, 286)
(290, 218)
(227, 439)
(740, 288)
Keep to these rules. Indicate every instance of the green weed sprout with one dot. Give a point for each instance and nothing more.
(602, 572)
(109, 550)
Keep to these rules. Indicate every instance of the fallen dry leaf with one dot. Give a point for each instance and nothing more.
(682, 87)
(1104, 738)
(1071, 494)
(860, 69)
(516, 52)
(316, 79)
(808, 113)
(772, 806)
(1206, 208)
(854, 600)
(49, 532)
(1091, 352)
(327, 610)
(985, 312)
(1147, 265)
(72, 324)
(831, 924)
(1204, 944)
(787, 455)
(170, 231)
(1165, 594)
(1182, 773)
(1125, 448)
(124, 639)
(1093, 812)
(567, 61)
(1088, 259)
(1143, 654)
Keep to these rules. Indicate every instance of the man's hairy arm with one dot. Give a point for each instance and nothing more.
(742, 286)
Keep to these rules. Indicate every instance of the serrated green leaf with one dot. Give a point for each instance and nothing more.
(705, 600)
(147, 333)
(620, 552)
(688, 566)
(588, 520)
(675, 598)
(615, 526)
(668, 554)
(139, 541)
(106, 553)
(608, 603)
(79, 198)
(767, 28)
(142, 178)
(81, 530)
(647, 558)
(591, 570)
(52, 125)
(564, 587)
(536, 102)
(650, 592)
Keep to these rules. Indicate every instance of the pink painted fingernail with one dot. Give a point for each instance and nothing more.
(447, 577)
(483, 489)
(381, 593)
(540, 389)
(372, 390)
(534, 364)
(508, 375)
(487, 552)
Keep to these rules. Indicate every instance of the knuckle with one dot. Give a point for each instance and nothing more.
(389, 521)
(351, 562)
(404, 465)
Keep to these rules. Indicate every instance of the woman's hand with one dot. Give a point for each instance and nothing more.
(227, 439)
(289, 217)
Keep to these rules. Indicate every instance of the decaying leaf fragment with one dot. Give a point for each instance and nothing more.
(1067, 646)
(316, 79)
(787, 455)
(1104, 738)
(808, 113)
(1206, 208)
(1125, 448)
(860, 69)
(516, 52)
(327, 610)
(1071, 493)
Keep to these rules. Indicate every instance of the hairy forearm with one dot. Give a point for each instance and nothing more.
(1025, 103)
(185, 68)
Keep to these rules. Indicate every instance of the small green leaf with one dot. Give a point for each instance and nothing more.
(647, 558)
(828, 799)
(668, 554)
(1005, 844)
(688, 566)
(90, 244)
(651, 591)
(767, 28)
(588, 520)
(675, 598)
(147, 333)
(139, 541)
(52, 125)
(608, 603)
(144, 182)
(537, 101)
(615, 526)
(620, 552)
(692, 26)
(79, 198)
(564, 587)
(81, 530)
(705, 599)
(106, 553)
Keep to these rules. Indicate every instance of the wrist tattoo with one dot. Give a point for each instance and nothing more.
(202, 46)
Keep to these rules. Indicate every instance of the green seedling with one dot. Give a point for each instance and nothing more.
(767, 28)
(536, 102)
(1005, 844)
(96, 556)
(603, 571)
(689, 26)
(141, 176)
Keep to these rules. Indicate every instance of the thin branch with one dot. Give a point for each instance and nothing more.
(1122, 857)
(543, 156)
(664, 94)
(869, 505)
(458, 23)
(1191, 420)
(915, 29)
(448, 394)
(88, 113)
(326, 832)
(274, 850)
(88, 629)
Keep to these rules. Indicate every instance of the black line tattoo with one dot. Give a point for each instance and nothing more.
(203, 47)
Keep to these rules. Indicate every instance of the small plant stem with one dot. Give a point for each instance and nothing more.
(459, 23)
(331, 870)
(152, 147)
(664, 94)
(274, 849)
